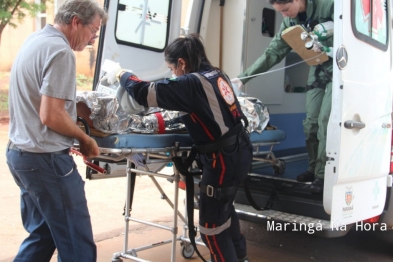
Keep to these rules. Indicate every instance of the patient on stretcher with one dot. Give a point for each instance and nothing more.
(104, 113)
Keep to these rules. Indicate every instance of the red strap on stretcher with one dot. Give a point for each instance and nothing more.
(161, 123)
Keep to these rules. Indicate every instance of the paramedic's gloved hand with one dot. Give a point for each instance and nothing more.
(237, 85)
(320, 48)
(324, 30)
(114, 73)
(88, 147)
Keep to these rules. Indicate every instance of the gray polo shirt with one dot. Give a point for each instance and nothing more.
(45, 65)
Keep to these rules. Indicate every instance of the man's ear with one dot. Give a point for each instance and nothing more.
(74, 22)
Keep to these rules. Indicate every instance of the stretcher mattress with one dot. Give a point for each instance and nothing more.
(268, 136)
(134, 140)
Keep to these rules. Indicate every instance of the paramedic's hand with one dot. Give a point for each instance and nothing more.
(237, 85)
(319, 48)
(88, 147)
(324, 30)
(114, 73)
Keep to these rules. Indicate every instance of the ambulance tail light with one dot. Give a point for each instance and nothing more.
(372, 220)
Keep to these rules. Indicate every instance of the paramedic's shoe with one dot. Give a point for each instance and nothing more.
(317, 186)
(305, 177)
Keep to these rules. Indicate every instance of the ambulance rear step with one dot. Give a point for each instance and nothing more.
(281, 221)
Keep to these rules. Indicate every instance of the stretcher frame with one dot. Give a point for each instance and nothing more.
(160, 158)
(157, 156)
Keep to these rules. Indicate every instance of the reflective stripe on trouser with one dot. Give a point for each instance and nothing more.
(227, 243)
(53, 208)
(318, 107)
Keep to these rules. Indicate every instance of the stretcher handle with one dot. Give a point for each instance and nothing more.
(88, 163)
(84, 122)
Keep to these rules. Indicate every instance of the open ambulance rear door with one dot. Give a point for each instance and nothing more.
(136, 35)
(359, 130)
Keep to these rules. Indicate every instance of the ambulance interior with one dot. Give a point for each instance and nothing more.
(282, 90)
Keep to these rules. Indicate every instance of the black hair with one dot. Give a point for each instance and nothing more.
(190, 48)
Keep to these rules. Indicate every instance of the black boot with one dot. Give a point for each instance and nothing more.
(305, 177)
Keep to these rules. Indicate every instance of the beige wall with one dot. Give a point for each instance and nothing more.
(11, 41)
(13, 38)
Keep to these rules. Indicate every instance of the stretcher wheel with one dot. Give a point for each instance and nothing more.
(187, 250)
(279, 167)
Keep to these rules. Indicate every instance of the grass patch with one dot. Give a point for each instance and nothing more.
(3, 100)
(84, 83)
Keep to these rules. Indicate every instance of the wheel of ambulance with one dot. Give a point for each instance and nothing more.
(279, 167)
(187, 250)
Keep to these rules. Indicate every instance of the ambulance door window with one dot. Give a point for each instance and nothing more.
(143, 23)
(268, 19)
(369, 22)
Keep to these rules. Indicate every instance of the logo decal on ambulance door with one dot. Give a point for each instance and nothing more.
(226, 91)
(348, 196)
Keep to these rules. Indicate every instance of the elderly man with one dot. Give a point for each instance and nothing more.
(42, 129)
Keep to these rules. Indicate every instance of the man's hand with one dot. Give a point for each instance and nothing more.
(88, 147)
(237, 85)
(324, 30)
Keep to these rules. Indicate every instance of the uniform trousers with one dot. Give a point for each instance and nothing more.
(318, 107)
(225, 169)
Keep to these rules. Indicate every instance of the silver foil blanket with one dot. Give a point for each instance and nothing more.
(108, 117)
(256, 113)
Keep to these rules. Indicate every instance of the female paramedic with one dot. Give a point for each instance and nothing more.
(212, 116)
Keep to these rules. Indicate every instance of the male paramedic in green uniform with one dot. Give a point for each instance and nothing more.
(311, 14)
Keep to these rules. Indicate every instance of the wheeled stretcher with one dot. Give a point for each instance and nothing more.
(148, 154)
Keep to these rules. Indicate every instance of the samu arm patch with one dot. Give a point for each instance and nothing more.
(226, 91)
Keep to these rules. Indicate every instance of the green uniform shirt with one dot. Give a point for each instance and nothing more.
(318, 11)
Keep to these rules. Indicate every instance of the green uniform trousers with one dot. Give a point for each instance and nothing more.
(318, 107)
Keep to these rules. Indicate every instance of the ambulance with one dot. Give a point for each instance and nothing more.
(358, 173)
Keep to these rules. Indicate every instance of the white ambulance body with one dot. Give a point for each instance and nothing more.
(235, 33)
